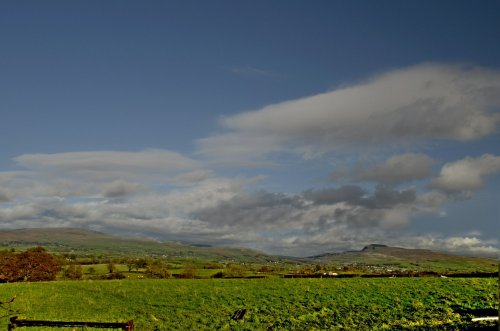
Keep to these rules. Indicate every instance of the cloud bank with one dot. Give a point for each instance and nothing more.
(419, 103)
(173, 196)
(220, 210)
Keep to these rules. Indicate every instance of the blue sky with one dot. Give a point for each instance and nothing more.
(291, 127)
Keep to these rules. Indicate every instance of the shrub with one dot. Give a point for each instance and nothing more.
(73, 272)
(114, 275)
(219, 274)
(158, 269)
(189, 272)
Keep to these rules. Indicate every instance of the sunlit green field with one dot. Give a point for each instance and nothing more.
(272, 304)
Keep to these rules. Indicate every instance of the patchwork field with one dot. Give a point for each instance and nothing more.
(271, 304)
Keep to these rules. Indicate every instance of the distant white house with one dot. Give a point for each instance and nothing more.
(330, 273)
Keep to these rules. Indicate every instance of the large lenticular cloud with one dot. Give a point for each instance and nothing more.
(423, 102)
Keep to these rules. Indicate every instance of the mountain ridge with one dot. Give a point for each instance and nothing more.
(90, 242)
(407, 258)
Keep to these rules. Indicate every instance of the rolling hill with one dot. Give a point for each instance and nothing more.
(93, 243)
(409, 259)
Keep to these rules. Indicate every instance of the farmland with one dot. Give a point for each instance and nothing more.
(119, 280)
(86, 247)
(272, 304)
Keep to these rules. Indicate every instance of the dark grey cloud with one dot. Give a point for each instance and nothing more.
(345, 211)
(121, 188)
(4, 197)
(350, 193)
(385, 197)
(260, 207)
(382, 198)
(395, 170)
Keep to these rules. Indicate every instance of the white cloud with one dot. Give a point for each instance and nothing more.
(194, 176)
(240, 148)
(432, 200)
(42, 213)
(467, 175)
(456, 244)
(28, 184)
(220, 211)
(196, 205)
(338, 239)
(84, 174)
(108, 165)
(163, 214)
(418, 103)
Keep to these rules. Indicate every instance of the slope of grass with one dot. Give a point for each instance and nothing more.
(92, 243)
(272, 304)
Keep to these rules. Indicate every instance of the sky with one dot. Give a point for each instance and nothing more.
(291, 127)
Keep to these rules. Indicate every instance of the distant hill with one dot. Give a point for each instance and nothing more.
(51, 235)
(410, 259)
(93, 243)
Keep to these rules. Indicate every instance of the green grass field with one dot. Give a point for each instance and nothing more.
(272, 304)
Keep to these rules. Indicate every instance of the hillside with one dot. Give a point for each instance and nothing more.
(93, 243)
(409, 259)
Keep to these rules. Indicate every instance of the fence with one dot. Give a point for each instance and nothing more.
(15, 322)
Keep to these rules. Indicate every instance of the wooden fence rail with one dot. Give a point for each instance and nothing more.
(15, 322)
